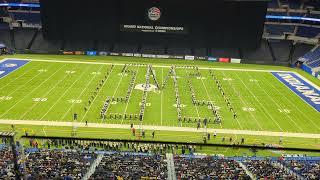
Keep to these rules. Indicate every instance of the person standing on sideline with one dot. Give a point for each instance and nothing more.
(133, 131)
(153, 133)
(198, 125)
(86, 123)
(75, 116)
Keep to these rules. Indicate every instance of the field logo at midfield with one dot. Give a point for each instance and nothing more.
(307, 92)
(151, 87)
(8, 66)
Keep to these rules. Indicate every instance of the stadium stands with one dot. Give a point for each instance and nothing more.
(279, 29)
(267, 169)
(312, 58)
(189, 167)
(27, 17)
(6, 163)
(58, 164)
(131, 166)
(308, 32)
(309, 169)
(300, 49)
(110, 162)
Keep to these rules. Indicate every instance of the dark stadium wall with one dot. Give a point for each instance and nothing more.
(206, 23)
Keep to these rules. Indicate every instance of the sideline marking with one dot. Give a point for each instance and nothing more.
(163, 128)
(72, 61)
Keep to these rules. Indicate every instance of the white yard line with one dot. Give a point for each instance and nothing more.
(243, 102)
(45, 95)
(13, 80)
(277, 104)
(265, 110)
(31, 91)
(84, 89)
(127, 104)
(94, 99)
(161, 109)
(163, 128)
(23, 85)
(65, 92)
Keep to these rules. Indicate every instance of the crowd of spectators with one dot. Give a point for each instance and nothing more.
(208, 168)
(6, 163)
(58, 164)
(307, 169)
(267, 169)
(131, 166)
(120, 160)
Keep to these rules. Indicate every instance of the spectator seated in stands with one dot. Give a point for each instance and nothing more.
(307, 169)
(267, 169)
(131, 166)
(208, 168)
(6, 163)
(58, 164)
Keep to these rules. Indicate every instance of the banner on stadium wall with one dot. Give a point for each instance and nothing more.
(234, 60)
(201, 58)
(137, 55)
(177, 57)
(163, 56)
(148, 55)
(224, 60)
(103, 53)
(212, 59)
(114, 54)
(79, 53)
(127, 54)
(91, 53)
(68, 53)
(189, 57)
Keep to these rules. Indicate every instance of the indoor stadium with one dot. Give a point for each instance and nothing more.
(159, 89)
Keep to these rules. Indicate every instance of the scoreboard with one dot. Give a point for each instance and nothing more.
(201, 23)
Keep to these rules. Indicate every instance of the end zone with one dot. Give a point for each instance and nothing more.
(8, 66)
(300, 87)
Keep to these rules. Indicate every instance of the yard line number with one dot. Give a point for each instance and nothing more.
(248, 109)
(39, 99)
(285, 111)
(75, 101)
(5, 98)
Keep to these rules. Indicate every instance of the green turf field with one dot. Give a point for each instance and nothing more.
(53, 91)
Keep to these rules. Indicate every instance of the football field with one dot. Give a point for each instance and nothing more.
(171, 97)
